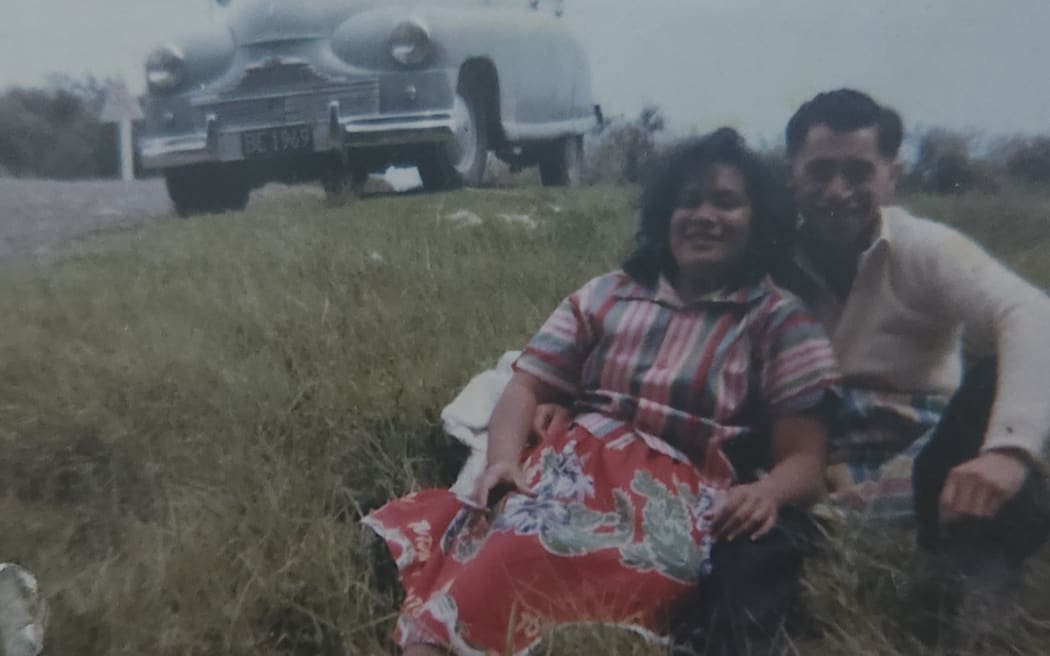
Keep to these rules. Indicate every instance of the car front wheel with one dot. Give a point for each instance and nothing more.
(462, 159)
(207, 189)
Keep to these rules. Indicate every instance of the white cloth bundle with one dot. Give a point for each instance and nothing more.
(467, 418)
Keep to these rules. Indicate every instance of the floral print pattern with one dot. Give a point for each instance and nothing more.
(622, 529)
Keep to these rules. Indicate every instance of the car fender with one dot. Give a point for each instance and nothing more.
(542, 73)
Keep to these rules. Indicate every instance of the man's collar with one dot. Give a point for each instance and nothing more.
(882, 239)
(665, 294)
(883, 230)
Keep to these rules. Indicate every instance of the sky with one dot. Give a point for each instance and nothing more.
(971, 65)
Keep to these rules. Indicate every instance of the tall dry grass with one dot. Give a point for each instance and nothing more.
(193, 415)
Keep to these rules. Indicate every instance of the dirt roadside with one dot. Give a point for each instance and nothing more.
(37, 215)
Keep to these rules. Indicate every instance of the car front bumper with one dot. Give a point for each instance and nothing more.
(221, 144)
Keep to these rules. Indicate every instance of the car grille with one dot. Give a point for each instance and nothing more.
(355, 99)
(278, 77)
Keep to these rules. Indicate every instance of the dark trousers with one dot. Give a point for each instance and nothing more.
(752, 594)
(1023, 524)
(753, 591)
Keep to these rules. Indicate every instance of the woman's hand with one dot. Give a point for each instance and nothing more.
(499, 479)
(745, 510)
(797, 478)
(508, 433)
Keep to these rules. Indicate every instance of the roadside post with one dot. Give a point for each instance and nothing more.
(120, 107)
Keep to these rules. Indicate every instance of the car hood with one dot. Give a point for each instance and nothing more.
(254, 22)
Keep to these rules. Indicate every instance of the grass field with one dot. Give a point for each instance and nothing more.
(193, 415)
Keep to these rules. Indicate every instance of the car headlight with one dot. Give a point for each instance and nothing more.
(409, 43)
(165, 69)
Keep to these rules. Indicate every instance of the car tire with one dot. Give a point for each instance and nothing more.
(434, 170)
(206, 189)
(561, 162)
(463, 159)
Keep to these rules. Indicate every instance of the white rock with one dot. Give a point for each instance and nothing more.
(463, 218)
(520, 219)
(23, 614)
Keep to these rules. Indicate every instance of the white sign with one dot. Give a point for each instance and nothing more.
(119, 105)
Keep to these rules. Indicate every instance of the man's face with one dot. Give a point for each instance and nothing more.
(840, 180)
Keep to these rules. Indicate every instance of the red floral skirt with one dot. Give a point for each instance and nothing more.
(617, 533)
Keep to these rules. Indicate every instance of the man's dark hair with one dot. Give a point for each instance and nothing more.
(770, 208)
(846, 110)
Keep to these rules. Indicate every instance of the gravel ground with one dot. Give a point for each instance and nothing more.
(37, 215)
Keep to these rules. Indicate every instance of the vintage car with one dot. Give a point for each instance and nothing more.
(333, 90)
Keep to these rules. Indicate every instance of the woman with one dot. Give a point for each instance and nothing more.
(686, 352)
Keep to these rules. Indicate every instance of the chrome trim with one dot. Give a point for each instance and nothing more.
(211, 131)
(357, 98)
(276, 61)
(221, 144)
(551, 130)
(400, 136)
(395, 131)
(266, 39)
(398, 121)
(162, 152)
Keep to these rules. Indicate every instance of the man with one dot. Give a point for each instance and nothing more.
(898, 296)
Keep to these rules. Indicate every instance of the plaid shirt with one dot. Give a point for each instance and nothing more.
(684, 377)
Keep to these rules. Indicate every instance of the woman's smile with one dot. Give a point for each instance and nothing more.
(704, 237)
(710, 227)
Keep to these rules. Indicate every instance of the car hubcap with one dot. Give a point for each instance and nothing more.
(464, 147)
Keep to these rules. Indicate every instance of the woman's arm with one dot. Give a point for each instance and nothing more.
(797, 478)
(800, 451)
(509, 431)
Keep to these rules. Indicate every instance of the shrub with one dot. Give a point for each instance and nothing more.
(624, 149)
(55, 132)
(944, 165)
(1029, 160)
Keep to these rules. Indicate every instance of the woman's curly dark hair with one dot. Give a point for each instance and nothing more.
(771, 215)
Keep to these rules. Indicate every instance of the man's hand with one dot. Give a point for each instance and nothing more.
(550, 418)
(499, 479)
(745, 510)
(979, 487)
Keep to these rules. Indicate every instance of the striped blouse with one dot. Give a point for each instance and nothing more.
(684, 377)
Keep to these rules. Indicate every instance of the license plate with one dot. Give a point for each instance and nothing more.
(277, 141)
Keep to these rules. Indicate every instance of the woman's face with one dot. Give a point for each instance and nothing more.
(711, 224)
